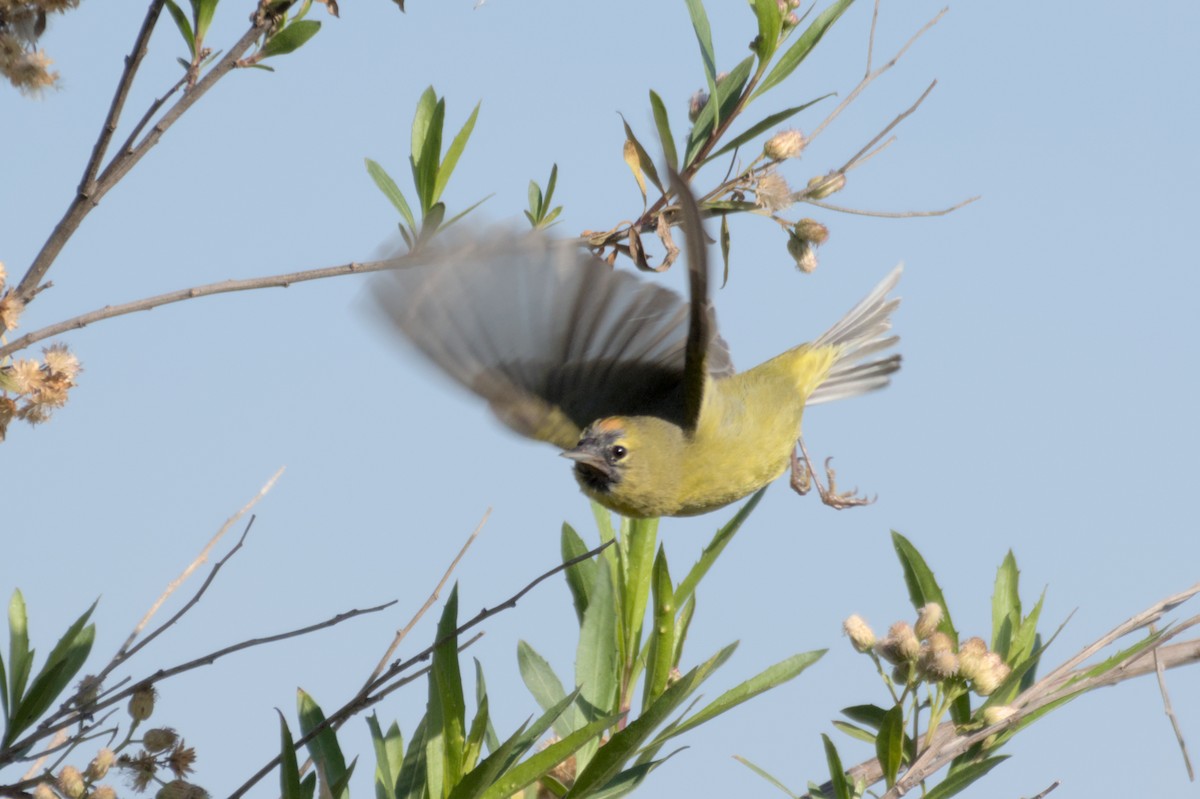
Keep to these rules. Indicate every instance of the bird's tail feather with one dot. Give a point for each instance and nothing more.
(858, 335)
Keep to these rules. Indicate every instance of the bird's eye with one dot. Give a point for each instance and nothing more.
(618, 452)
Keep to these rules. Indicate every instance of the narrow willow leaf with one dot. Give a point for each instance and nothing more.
(719, 107)
(662, 121)
(389, 755)
(20, 658)
(628, 780)
(546, 688)
(390, 190)
(804, 45)
(484, 775)
(854, 731)
(412, 780)
(289, 769)
(185, 29)
(475, 736)
(60, 668)
(422, 118)
(889, 744)
(551, 184)
(607, 761)
(837, 774)
(642, 538)
(596, 662)
(480, 694)
(630, 154)
(446, 683)
(770, 24)
(963, 778)
(291, 38)
(581, 575)
(765, 680)
(661, 647)
(535, 200)
(453, 152)
(766, 124)
(922, 586)
(1006, 605)
(766, 776)
(1024, 642)
(204, 10)
(870, 715)
(704, 38)
(463, 213)
(324, 748)
(426, 169)
(682, 624)
(711, 552)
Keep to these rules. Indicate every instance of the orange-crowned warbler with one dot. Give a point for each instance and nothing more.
(624, 375)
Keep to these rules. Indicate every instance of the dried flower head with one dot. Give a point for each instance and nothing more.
(784, 145)
(821, 187)
(142, 769)
(802, 253)
(61, 362)
(181, 760)
(993, 672)
(772, 193)
(901, 644)
(938, 661)
(181, 789)
(100, 764)
(811, 231)
(10, 311)
(70, 783)
(696, 104)
(928, 620)
(141, 703)
(159, 739)
(103, 792)
(971, 656)
(3, 279)
(44, 791)
(89, 689)
(862, 637)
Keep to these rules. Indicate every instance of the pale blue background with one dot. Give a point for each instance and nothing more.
(1047, 400)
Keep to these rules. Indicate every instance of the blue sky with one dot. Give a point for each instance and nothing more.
(1046, 403)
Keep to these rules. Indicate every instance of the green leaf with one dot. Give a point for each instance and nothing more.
(582, 574)
(463, 213)
(889, 744)
(535, 200)
(964, 777)
(607, 761)
(446, 694)
(425, 169)
(765, 680)
(711, 552)
(871, 715)
(766, 124)
(546, 688)
(629, 779)
(185, 28)
(837, 774)
(204, 10)
(682, 624)
(484, 775)
(422, 119)
(324, 748)
(722, 103)
(291, 38)
(389, 755)
(453, 152)
(289, 769)
(1024, 641)
(596, 661)
(922, 586)
(432, 221)
(1006, 605)
(390, 190)
(475, 735)
(804, 45)
(489, 737)
(20, 657)
(413, 772)
(662, 122)
(725, 241)
(704, 39)
(854, 731)
(661, 647)
(641, 540)
(529, 771)
(60, 668)
(770, 24)
(768, 777)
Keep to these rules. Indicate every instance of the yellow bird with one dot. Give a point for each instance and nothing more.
(631, 381)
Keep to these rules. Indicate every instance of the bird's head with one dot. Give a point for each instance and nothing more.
(629, 464)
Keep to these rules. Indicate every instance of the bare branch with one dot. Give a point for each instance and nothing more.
(1160, 673)
(892, 214)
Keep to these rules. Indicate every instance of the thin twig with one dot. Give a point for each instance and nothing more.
(871, 38)
(1049, 788)
(892, 214)
(222, 287)
(1160, 673)
(888, 129)
(199, 560)
(433, 597)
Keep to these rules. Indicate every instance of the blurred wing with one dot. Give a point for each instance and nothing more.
(550, 336)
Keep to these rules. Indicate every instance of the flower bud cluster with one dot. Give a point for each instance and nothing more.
(923, 652)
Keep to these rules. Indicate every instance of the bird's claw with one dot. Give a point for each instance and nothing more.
(803, 479)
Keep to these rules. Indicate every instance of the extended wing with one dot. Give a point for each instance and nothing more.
(550, 336)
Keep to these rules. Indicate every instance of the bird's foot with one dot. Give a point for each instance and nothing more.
(803, 479)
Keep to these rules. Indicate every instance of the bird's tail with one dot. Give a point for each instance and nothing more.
(858, 335)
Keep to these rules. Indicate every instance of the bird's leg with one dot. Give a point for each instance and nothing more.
(804, 478)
